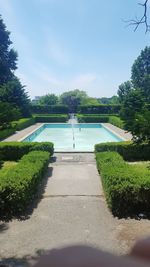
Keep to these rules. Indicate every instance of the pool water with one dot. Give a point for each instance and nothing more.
(78, 137)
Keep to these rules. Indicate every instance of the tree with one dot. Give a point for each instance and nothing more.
(8, 57)
(143, 20)
(142, 126)
(140, 73)
(73, 99)
(124, 90)
(90, 101)
(8, 113)
(14, 93)
(49, 99)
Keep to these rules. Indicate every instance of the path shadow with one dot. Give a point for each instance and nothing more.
(3, 227)
(39, 195)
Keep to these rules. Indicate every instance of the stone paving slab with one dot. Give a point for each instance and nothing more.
(21, 134)
(118, 131)
(74, 179)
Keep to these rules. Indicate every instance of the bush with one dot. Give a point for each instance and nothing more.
(127, 187)
(128, 150)
(101, 119)
(99, 109)
(92, 118)
(22, 123)
(51, 118)
(19, 184)
(15, 150)
(49, 109)
(6, 133)
(116, 121)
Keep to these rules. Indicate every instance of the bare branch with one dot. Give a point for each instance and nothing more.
(143, 20)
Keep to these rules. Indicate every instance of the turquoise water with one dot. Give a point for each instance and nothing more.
(79, 137)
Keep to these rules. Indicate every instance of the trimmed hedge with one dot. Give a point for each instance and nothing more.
(6, 133)
(99, 109)
(51, 118)
(116, 121)
(128, 150)
(92, 118)
(19, 184)
(127, 187)
(50, 109)
(22, 123)
(100, 119)
(15, 150)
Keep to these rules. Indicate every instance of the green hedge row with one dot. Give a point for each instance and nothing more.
(15, 150)
(99, 109)
(19, 184)
(22, 123)
(50, 109)
(116, 121)
(128, 150)
(51, 118)
(127, 187)
(92, 118)
(6, 133)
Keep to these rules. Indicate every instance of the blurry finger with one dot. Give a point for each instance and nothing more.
(82, 256)
(141, 250)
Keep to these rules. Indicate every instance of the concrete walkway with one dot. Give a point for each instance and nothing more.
(70, 209)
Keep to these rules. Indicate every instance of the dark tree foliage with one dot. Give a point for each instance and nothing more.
(8, 113)
(8, 57)
(49, 99)
(133, 103)
(124, 90)
(141, 73)
(14, 93)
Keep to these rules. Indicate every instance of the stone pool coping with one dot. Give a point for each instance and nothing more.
(21, 135)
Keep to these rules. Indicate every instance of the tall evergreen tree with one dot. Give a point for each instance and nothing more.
(8, 56)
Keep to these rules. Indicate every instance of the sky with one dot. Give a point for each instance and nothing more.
(67, 44)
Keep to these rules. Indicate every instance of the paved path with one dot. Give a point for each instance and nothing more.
(23, 133)
(70, 209)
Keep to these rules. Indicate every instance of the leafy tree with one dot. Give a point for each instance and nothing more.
(124, 90)
(114, 100)
(49, 99)
(8, 57)
(8, 113)
(73, 99)
(141, 129)
(14, 93)
(90, 101)
(141, 73)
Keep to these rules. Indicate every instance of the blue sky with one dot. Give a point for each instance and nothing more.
(68, 44)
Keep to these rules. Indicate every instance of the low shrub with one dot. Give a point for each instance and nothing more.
(51, 118)
(50, 109)
(127, 187)
(128, 150)
(99, 109)
(92, 118)
(19, 184)
(22, 123)
(15, 150)
(116, 121)
(6, 133)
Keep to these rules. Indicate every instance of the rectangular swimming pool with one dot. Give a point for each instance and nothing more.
(72, 138)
